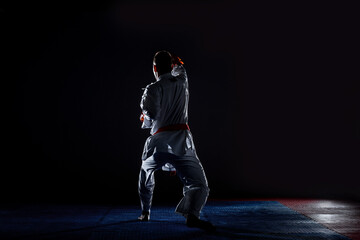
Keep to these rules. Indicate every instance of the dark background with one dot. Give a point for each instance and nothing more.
(273, 110)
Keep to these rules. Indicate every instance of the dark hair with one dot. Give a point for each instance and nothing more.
(163, 61)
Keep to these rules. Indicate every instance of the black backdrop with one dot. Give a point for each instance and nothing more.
(272, 108)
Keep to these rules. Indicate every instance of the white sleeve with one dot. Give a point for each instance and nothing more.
(150, 102)
(178, 71)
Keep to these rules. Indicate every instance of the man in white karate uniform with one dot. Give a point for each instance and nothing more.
(164, 107)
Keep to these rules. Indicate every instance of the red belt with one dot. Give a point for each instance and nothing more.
(173, 128)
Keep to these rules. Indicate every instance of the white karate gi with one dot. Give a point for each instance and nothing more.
(165, 103)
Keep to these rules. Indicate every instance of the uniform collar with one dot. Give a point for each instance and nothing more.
(165, 75)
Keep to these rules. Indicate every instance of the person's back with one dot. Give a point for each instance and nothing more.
(172, 89)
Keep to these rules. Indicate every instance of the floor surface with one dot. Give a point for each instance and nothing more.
(261, 219)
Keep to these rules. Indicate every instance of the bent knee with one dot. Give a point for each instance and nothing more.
(204, 188)
(207, 189)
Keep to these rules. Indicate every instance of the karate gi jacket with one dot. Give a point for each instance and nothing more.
(164, 103)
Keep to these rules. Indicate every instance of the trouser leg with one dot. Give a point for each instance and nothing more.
(196, 191)
(146, 189)
(147, 182)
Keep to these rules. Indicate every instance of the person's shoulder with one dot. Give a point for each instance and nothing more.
(153, 86)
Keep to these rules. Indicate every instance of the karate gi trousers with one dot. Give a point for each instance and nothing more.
(190, 172)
